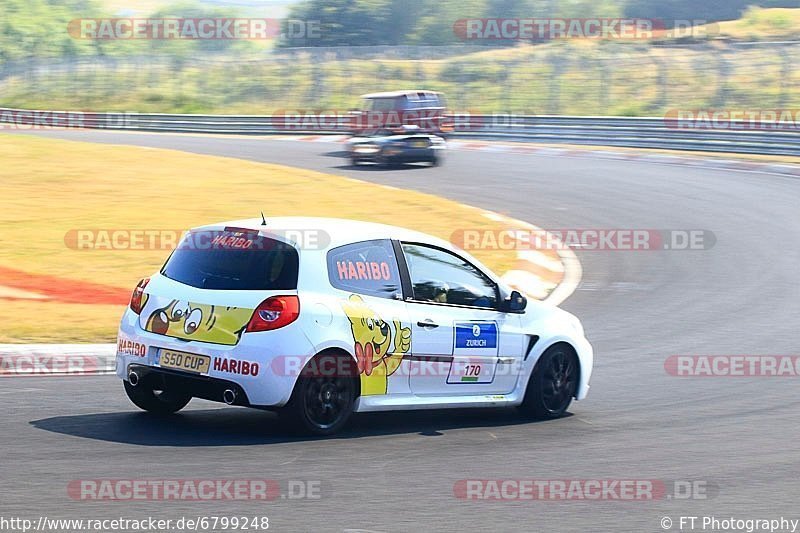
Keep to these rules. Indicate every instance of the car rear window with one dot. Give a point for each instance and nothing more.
(233, 260)
(384, 104)
(424, 101)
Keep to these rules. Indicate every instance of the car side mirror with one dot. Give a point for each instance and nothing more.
(515, 303)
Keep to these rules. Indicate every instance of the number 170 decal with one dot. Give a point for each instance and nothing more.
(465, 370)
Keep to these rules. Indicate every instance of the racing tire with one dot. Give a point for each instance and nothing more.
(322, 401)
(156, 402)
(436, 161)
(355, 161)
(553, 384)
(385, 162)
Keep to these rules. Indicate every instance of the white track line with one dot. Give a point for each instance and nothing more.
(528, 282)
(541, 260)
(531, 284)
(573, 272)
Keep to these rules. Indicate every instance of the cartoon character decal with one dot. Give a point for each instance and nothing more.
(199, 322)
(379, 346)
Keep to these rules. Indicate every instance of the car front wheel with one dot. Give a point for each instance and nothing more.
(157, 402)
(553, 384)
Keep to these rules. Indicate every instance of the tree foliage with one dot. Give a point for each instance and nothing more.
(708, 10)
(430, 22)
(38, 28)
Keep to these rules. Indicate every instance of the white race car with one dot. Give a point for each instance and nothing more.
(320, 318)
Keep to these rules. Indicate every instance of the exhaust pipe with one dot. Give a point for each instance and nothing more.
(229, 397)
(133, 379)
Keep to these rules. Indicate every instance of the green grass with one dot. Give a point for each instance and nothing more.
(53, 186)
(762, 24)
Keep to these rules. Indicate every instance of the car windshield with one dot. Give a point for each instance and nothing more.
(233, 260)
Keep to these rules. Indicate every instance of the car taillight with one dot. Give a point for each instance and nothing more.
(274, 312)
(138, 296)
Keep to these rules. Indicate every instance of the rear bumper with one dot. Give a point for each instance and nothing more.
(197, 386)
(414, 154)
(270, 386)
(401, 155)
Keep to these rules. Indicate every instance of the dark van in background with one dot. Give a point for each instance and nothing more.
(381, 111)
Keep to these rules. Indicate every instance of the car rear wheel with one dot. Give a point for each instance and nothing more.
(323, 397)
(385, 161)
(153, 401)
(553, 384)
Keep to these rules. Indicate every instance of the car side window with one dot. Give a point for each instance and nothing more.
(368, 268)
(442, 277)
(383, 104)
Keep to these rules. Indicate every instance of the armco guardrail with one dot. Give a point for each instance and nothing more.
(20, 360)
(646, 132)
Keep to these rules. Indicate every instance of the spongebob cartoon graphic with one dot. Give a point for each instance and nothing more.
(200, 322)
(379, 346)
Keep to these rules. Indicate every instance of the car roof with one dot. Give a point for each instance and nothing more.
(340, 231)
(394, 94)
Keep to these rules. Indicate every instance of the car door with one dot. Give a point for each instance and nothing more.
(368, 278)
(461, 342)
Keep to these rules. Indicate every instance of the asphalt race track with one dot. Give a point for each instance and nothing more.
(396, 472)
